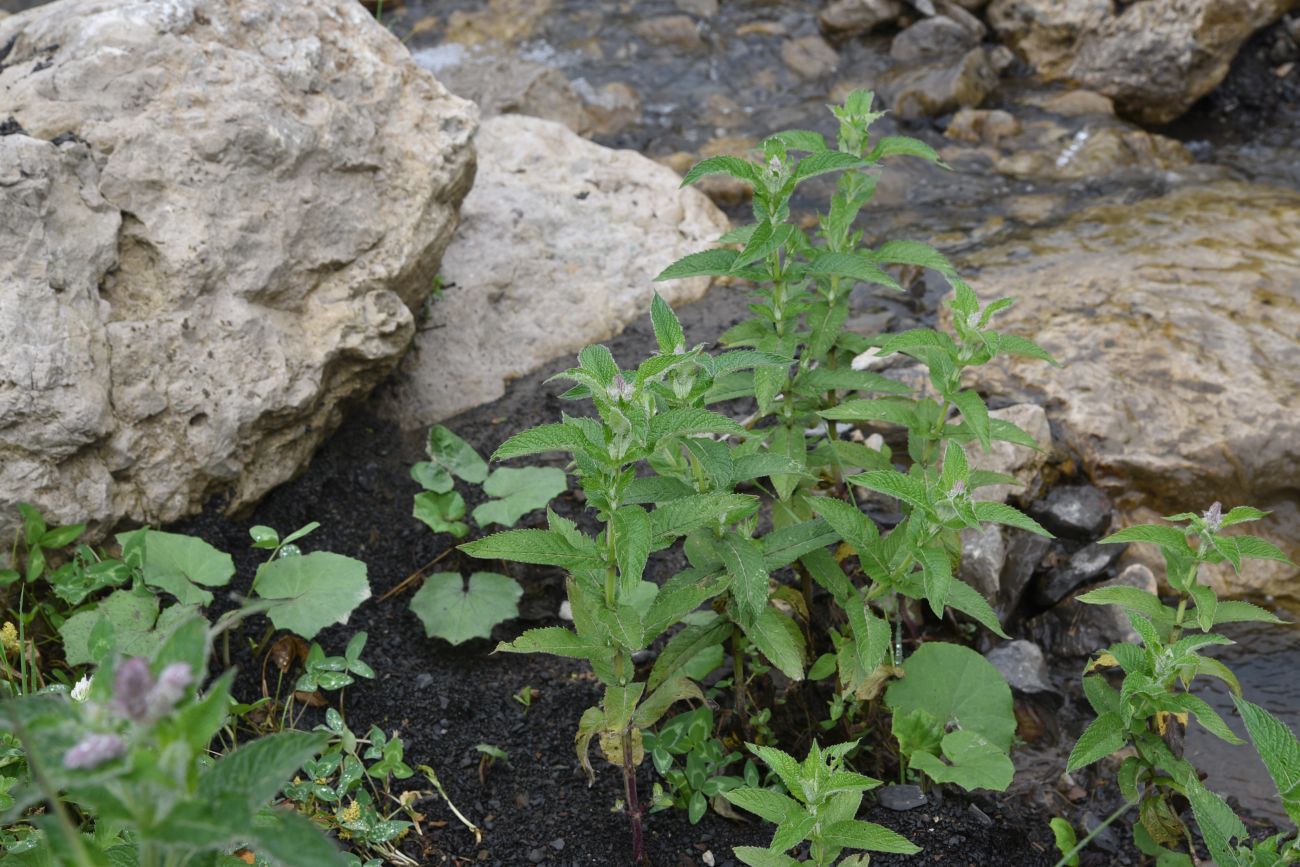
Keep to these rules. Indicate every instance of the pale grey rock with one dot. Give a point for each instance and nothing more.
(1083, 566)
(983, 555)
(247, 200)
(559, 245)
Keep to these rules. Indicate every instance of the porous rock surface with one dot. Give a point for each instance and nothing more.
(1153, 57)
(559, 243)
(1177, 324)
(216, 217)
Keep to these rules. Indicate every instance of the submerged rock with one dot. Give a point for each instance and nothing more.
(940, 86)
(1177, 322)
(1154, 58)
(1084, 565)
(559, 243)
(213, 231)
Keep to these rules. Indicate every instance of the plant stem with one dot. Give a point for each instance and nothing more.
(1106, 823)
(633, 805)
(738, 675)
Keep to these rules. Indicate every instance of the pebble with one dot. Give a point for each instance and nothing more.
(536, 856)
(1077, 512)
(902, 797)
(1022, 664)
(424, 680)
(558, 844)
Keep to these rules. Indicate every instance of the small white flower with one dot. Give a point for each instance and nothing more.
(81, 690)
(869, 359)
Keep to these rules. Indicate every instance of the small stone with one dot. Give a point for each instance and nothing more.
(1073, 103)
(858, 16)
(1022, 664)
(1084, 565)
(566, 611)
(558, 844)
(939, 87)
(1078, 512)
(901, 798)
(678, 31)
(932, 38)
(980, 816)
(809, 57)
(708, 858)
(698, 8)
(536, 856)
(982, 126)
(423, 680)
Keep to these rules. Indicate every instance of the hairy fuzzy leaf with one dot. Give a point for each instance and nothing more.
(706, 263)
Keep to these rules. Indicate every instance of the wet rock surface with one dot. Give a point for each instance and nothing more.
(1075, 511)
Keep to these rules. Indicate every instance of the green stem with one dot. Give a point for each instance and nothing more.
(1106, 823)
(738, 673)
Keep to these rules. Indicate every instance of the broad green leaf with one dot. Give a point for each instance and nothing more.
(1014, 344)
(736, 167)
(780, 640)
(1237, 611)
(799, 140)
(455, 612)
(631, 528)
(455, 455)
(902, 487)
(975, 415)
(254, 772)
(441, 513)
(539, 547)
(973, 763)
(1277, 746)
(1128, 597)
(1164, 536)
(768, 805)
(784, 546)
(311, 591)
(825, 162)
(559, 437)
(521, 491)
(1001, 513)
(936, 577)
(690, 420)
(868, 837)
(1103, 736)
(853, 266)
(706, 263)
(904, 252)
(667, 328)
(847, 521)
(1255, 548)
(679, 517)
(1218, 824)
(958, 687)
(743, 559)
(896, 145)
(177, 563)
(1066, 839)
(289, 839)
(756, 857)
(126, 614)
(900, 412)
(557, 641)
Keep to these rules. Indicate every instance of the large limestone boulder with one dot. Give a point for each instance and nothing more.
(1153, 57)
(1177, 321)
(216, 217)
(558, 246)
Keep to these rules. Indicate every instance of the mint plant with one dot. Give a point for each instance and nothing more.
(821, 808)
(688, 738)
(1154, 700)
(751, 500)
(134, 755)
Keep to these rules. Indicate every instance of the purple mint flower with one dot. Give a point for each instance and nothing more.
(958, 488)
(140, 698)
(93, 751)
(132, 684)
(169, 689)
(1213, 516)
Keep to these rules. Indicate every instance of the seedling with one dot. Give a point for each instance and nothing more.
(488, 754)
